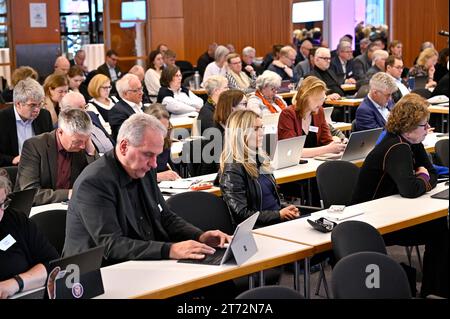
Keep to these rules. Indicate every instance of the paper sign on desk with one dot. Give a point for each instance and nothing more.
(346, 214)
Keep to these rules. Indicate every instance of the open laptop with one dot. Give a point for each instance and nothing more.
(420, 82)
(288, 152)
(359, 145)
(22, 201)
(285, 87)
(241, 248)
(80, 276)
(441, 195)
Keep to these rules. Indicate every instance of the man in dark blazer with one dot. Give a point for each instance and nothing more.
(363, 62)
(117, 203)
(22, 121)
(52, 161)
(342, 62)
(375, 108)
(322, 60)
(111, 69)
(130, 91)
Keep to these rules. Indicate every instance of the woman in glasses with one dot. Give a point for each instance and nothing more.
(24, 249)
(237, 78)
(99, 89)
(399, 165)
(265, 100)
(246, 181)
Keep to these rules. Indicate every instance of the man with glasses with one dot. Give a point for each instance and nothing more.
(130, 91)
(25, 119)
(342, 63)
(394, 67)
(322, 61)
(52, 161)
(374, 110)
(284, 65)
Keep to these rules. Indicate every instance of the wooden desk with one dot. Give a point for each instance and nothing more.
(346, 104)
(288, 95)
(431, 140)
(348, 87)
(167, 278)
(342, 126)
(443, 111)
(387, 214)
(182, 122)
(200, 91)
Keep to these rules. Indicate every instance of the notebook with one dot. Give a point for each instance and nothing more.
(288, 152)
(241, 248)
(359, 145)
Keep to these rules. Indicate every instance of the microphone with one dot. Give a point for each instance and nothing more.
(444, 33)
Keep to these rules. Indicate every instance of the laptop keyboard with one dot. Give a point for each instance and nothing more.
(213, 259)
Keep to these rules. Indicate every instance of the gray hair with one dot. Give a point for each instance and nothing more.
(28, 89)
(123, 84)
(382, 81)
(379, 55)
(5, 184)
(248, 50)
(75, 121)
(73, 100)
(221, 52)
(320, 50)
(364, 41)
(343, 44)
(134, 127)
(268, 78)
(213, 83)
(426, 45)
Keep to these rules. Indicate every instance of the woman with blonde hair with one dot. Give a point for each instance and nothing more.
(246, 181)
(19, 74)
(425, 66)
(101, 103)
(55, 87)
(307, 117)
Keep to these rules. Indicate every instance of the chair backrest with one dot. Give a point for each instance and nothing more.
(354, 236)
(336, 181)
(425, 93)
(441, 148)
(354, 125)
(270, 292)
(362, 92)
(204, 210)
(12, 173)
(369, 275)
(52, 224)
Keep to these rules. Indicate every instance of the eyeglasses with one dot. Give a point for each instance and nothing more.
(398, 67)
(324, 58)
(35, 105)
(424, 125)
(386, 95)
(5, 204)
(258, 127)
(235, 63)
(106, 87)
(140, 90)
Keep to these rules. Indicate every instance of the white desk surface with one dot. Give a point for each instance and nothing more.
(42, 208)
(387, 214)
(167, 278)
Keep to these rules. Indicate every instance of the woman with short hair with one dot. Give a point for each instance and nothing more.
(266, 100)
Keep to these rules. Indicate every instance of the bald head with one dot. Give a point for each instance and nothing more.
(62, 65)
(73, 100)
(138, 71)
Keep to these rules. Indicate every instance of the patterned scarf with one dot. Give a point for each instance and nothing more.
(269, 105)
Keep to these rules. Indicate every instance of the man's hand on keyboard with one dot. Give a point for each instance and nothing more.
(214, 238)
(190, 249)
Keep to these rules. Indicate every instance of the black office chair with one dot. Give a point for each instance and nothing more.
(336, 181)
(354, 125)
(186, 68)
(52, 223)
(425, 93)
(441, 149)
(369, 275)
(362, 92)
(12, 173)
(270, 292)
(355, 236)
(204, 210)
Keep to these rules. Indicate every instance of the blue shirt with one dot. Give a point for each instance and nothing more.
(24, 130)
(382, 109)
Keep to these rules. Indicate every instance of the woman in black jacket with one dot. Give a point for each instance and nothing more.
(246, 181)
(399, 165)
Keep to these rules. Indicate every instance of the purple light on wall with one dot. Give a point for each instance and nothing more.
(342, 20)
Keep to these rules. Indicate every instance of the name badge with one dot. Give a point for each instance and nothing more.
(313, 129)
(7, 242)
(160, 208)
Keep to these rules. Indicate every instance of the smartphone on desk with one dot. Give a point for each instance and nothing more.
(303, 161)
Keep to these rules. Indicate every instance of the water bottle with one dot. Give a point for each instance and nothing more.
(411, 83)
(197, 80)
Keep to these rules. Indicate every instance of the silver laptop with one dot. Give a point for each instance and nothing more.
(328, 111)
(359, 145)
(288, 152)
(240, 249)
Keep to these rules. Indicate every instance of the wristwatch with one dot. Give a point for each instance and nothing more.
(19, 282)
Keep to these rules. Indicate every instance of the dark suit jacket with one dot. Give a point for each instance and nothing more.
(101, 213)
(103, 69)
(330, 79)
(368, 117)
(117, 115)
(9, 145)
(38, 168)
(360, 66)
(336, 66)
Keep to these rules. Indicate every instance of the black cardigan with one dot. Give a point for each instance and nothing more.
(390, 169)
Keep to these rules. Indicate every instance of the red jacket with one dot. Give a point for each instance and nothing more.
(289, 125)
